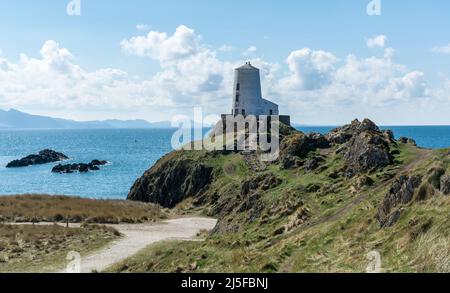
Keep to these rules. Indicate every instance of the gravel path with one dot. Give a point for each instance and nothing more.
(137, 237)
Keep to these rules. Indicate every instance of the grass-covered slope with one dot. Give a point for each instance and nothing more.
(319, 208)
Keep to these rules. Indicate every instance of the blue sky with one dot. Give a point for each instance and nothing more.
(416, 30)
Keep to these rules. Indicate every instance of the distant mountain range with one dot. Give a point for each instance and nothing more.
(14, 119)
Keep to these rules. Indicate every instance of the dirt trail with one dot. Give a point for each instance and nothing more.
(137, 237)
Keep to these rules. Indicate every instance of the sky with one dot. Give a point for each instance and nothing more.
(324, 62)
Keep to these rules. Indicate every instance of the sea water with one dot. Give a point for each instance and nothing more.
(130, 153)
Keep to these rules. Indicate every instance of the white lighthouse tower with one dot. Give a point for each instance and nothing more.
(247, 96)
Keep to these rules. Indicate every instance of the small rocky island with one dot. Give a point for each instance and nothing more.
(43, 157)
(80, 167)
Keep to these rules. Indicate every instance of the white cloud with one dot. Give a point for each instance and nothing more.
(143, 27)
(54, 81)
(377, 41)
(226, 48)
(157, 45)
(314, 86)
(190, 71)
(249, 51)
(309, 70)
(321, 89)
(442, 49)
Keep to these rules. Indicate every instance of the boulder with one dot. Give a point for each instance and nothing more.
(313, 163)
(400, 193)
(362, 182)
(288, 162)
(43, 157)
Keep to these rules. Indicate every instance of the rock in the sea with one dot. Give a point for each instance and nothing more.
(170, 181)
(400, 193)
(445, 184)
(81, 167)
(44, 157)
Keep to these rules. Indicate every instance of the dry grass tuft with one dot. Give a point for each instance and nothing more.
(39, 248)
(45, 208)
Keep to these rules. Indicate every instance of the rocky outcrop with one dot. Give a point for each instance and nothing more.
(406, 140)
(366, 152)
(344, 134)
(365, 147)
(262, 182)
(170, 181)
(298, 146)
(80, 167)
(401, 193)
(44, 157)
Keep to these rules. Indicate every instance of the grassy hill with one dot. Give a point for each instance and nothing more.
(327, 205)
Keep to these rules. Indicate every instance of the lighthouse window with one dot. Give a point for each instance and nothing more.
(237, 98)
(238, 87)
(243, 112)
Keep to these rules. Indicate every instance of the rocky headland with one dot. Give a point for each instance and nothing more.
(322, 206)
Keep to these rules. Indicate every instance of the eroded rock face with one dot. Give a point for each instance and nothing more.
(44, 157)
(445, 184)
(299, 145)
(171, 181)
(366, 152)
(400, 193)
(262, 182)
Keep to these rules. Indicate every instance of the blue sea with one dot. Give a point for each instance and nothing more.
(130, 153)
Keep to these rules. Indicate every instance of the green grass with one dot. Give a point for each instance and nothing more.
(257, 240)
